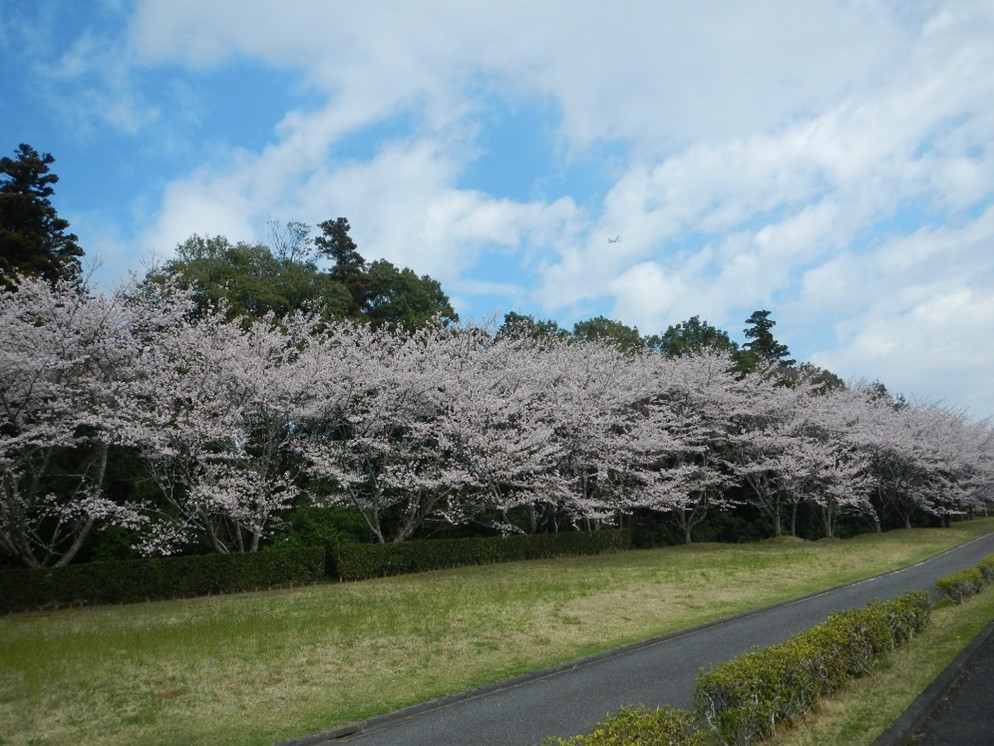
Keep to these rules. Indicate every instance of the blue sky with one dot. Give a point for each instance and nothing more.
(829, 161)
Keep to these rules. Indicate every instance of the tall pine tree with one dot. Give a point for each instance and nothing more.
(33, 238)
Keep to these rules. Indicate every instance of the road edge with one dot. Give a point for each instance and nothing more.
(918, 712)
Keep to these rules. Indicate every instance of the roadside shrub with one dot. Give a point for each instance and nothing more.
(640, 726)
(961, 585)
(361, 561)
(745, 699)
(157, 578)
(986, 567)
(908, 615)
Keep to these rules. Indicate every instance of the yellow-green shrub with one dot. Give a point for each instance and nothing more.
(640, 726)
(986, 567)
(961, 585)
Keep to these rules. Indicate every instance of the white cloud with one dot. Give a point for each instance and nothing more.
(832, 161)
(918, 313)
(402, 204)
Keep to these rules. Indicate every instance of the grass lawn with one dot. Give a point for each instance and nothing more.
(264, 667)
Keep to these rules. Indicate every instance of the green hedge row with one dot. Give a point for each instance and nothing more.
(745, 699)
(128, 581)
(156, 578)
(362, 561)
(965, 583)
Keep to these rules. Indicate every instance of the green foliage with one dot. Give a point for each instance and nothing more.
(825, 380)
(601, 329)
(640, 726)
(908, 615)
(250, 280)
(361, 561)
(724, 526)
(519, 325)
(328, 528)
(745, 699)
(312, 525)
(253, 280)
(961, 585)
(762, 348)
(33, 238)
(401, 298)
(157, 578)
(692, 337)
(986, 567)
(762, 343)
(379, 291)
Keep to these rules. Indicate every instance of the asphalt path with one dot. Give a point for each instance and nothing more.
(955, 709)
(571, 699)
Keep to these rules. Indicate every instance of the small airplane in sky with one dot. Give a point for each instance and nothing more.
(614, 240)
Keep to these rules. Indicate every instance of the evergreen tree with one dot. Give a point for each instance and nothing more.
(762, 345)
(33, 238)
(381, 293)
(349, 266)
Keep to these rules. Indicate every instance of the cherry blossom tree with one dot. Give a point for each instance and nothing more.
(677, 437)
(221, 402)
(920, 455)
(791, 445)
(456, 424)
(65, 357)
(590, 389)
(374, 434)
(496, 419)
(239, 420)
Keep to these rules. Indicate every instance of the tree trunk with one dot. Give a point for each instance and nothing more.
(84, 531)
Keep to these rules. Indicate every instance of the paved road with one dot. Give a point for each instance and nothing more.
(572, 699)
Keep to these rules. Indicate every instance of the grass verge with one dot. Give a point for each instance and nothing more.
(263, 667)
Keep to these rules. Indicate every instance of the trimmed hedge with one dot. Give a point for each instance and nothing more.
(157, 578)
(640, 726)
(745, 699)
(961, 585)
(362, 561)
(986, 567)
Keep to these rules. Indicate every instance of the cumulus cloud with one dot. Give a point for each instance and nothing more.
(915, 312)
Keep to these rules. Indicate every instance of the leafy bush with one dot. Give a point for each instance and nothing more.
(986, 567)
(157, 578)
(908, 615)
(640, 726)
(745, 699)
(361, 561)
(961, 585)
